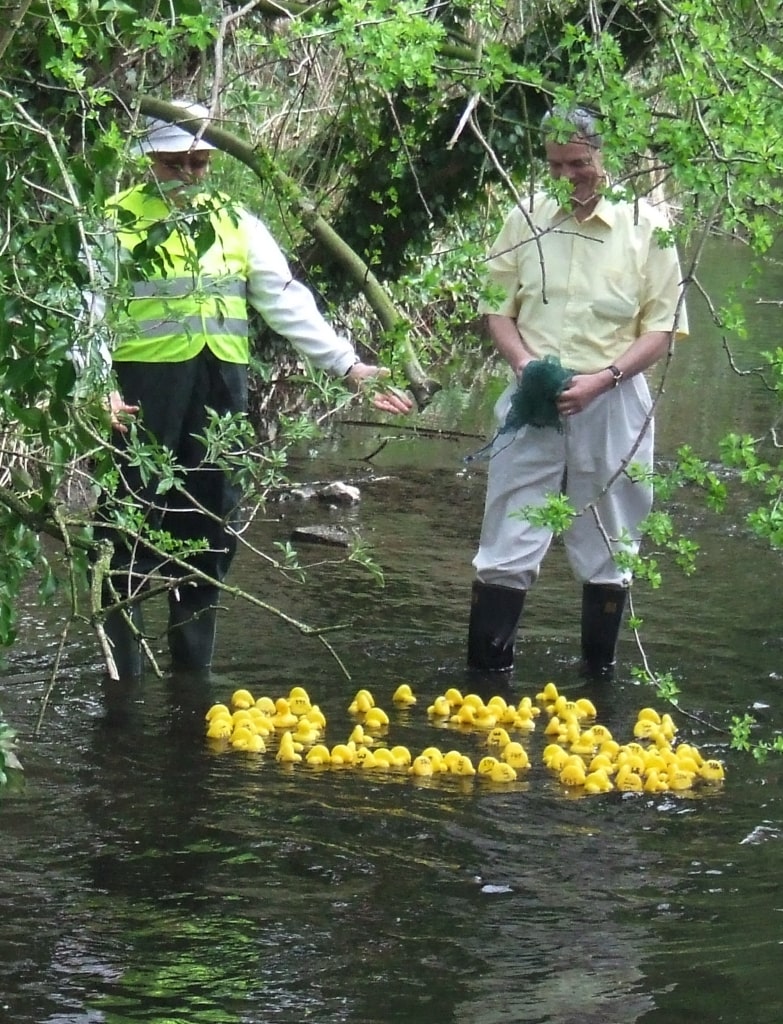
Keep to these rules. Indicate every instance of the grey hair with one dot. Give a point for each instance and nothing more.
(584, 122)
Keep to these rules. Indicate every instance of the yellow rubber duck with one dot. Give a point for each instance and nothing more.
(343, 754)
(361, 703)
(680, 779)
(524, 721)
(465, 766)
(376, 718)
(485, 719)
(299, 693)
(503, 772)
(486, 764)
(440, 708)
(650, 715)
(654, 762)
(401, 755)
(573, 772)
(266, 706)
(473, 700)
(384, 758)
(554, 727)
(283, 717)
(600, 733)
(306, 733)
(244, 739)
(261, 722)
(435, 756)
(220, 728)
(689, 751)
(645, 729)
(627, 780)
(286, 751)
(558, 706)
(602, 762)
(359, 736)
(454, 697)
(498, 737)
(630, 759)
(464, 715)
(598, 782)
(241, 698)
(318, 755)
(584, 744)
(712, 771)
(656, 781)
(687, 763)
(555, 757)
(585, 708)
(421, 767)
(548, 695)
(451, 760)
(298, 706)
(610, 747)
(668, 728)
(500, 704)
(526, 706)
(509, 716)
(570, 732)
(365, 758)
(514, 753)
(404, 695)
(316, 717)
(217, 709)
(241, 717)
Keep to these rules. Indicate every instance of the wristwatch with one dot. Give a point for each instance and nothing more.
(617, 374)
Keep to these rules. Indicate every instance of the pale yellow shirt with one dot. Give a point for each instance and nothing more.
(585, 291)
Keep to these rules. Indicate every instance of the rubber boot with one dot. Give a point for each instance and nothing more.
(495, 612)
(191, 632)
(126, 649)
(602, 613)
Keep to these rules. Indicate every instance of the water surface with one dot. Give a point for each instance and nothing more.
(148, 877)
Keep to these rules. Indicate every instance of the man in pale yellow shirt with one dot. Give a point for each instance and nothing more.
(591, 282)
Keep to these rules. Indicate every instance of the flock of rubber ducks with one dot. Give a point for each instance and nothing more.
(580, 753)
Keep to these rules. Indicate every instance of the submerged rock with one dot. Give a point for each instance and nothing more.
(336, 536)
(333, 492)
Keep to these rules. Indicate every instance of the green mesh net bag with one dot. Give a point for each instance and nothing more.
(533, 402)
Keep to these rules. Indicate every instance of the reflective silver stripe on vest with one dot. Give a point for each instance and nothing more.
(190, 325)
(180, 287)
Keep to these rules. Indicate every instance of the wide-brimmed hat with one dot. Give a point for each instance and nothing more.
(162, 137)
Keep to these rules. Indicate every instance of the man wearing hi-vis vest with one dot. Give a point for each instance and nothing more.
(183, 349)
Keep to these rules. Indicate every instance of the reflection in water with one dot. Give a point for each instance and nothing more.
(148, 878)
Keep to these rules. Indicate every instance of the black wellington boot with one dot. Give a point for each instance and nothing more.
(602, 613)
(495, 612)
(191, 632)
(126, 649)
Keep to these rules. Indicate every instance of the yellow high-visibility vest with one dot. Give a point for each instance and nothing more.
(180, 300)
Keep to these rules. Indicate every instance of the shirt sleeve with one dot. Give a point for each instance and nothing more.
(501, 272)
(289, 307)
(663, 288)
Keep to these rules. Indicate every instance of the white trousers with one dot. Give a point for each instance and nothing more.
(535, 462)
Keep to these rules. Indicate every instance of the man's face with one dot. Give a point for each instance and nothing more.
(578, 163)
(188, 168)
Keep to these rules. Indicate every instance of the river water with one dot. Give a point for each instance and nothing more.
(148, 876)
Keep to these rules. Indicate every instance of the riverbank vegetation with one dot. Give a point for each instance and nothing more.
(382, 143)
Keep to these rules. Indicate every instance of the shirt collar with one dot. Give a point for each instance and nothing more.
(604, 211)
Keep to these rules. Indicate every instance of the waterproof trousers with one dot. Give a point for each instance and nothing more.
(173, 400)
(587, 463)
